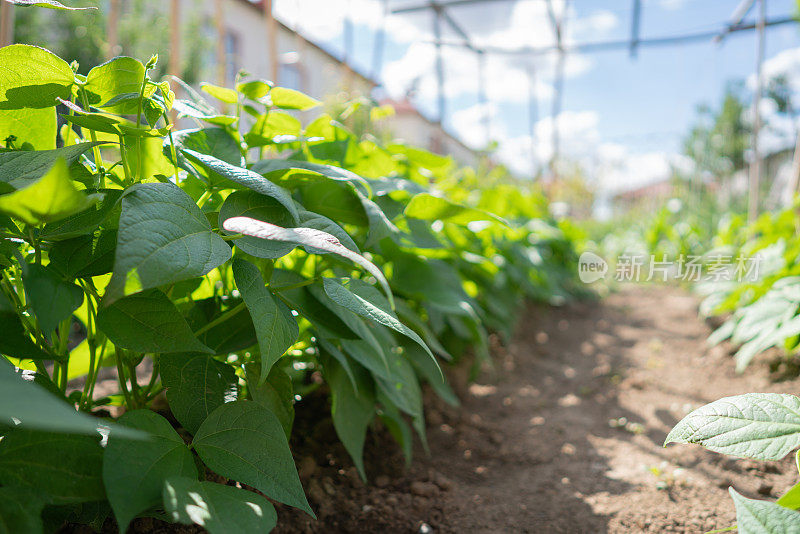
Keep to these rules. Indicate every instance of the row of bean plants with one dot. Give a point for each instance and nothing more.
(220, 267)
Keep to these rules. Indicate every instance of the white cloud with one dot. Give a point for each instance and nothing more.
(470, 123)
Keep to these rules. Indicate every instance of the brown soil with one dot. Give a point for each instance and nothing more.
(565, 436)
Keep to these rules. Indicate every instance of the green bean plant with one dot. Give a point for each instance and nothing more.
(214, 253)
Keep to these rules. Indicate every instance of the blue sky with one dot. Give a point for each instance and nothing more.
(622, 117)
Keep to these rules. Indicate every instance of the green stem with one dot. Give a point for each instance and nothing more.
(138, 122)
(91, 341)
(173, 152)
(294, 286)
(123, 152)
(37, 251)
(98, 158)
(63, 343)
(226, 315)
(119, 356)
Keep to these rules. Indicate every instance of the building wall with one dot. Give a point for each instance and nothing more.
(306, 67)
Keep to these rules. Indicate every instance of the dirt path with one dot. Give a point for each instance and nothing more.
(566, 437)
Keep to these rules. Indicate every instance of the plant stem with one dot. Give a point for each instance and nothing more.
(119, 356)
(63, 343)
(98, 158)
(173, 152)
(37, 251)
(294, 286)
(123, 154)
(226, 315)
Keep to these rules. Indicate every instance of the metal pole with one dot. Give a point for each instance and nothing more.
(380, 41)
(272, 41)
(437, 33)
(636, 22)
(6, 23)
(483, 100)
(755, 164)
(533, 116)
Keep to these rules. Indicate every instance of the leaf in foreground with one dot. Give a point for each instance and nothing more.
(148, 322)
(163, 238)
(276, 327)
(763, 517)
(48, 199)
(134, 472)
(63, 468)
(196, 385)
(244, 441)
(309, 237)
(37, 408)
(217, 508)
(763, 426)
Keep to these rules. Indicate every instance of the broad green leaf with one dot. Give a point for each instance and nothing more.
(276, 393)
(430, 208)
(397, 426)
(15, 341)
(315, 220)
(224, 94)
(263, 208)
(297, 171)
(364, 300)
(244, 441)
(254, 89)
(187, 108)
(216, 142)
(764, 426)
(197, 384)
(134, 472)
(269, 126)
(50, 198)
(339, 201)
(85, 256)
(217, 508)
(234, 333)
(163, 238)
(245, 177)
(83, 223)
(290, 99)
(352, 411)
(36, 408)
(32, 77)
(52, 298)
(115, 77)
(308, 305)
(763, 517)
(62, 468)
(791, 499)
(49, 4)
(22, 168)
(309, 237)
(20, 511)
(30, 125)
(431, 371)
(148, 322)
(276, 328)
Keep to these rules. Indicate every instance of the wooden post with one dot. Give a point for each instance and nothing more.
(755, 164)
(174, 66)
(112, 34)
(272, 41)
(6, 23)
(222, 59)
